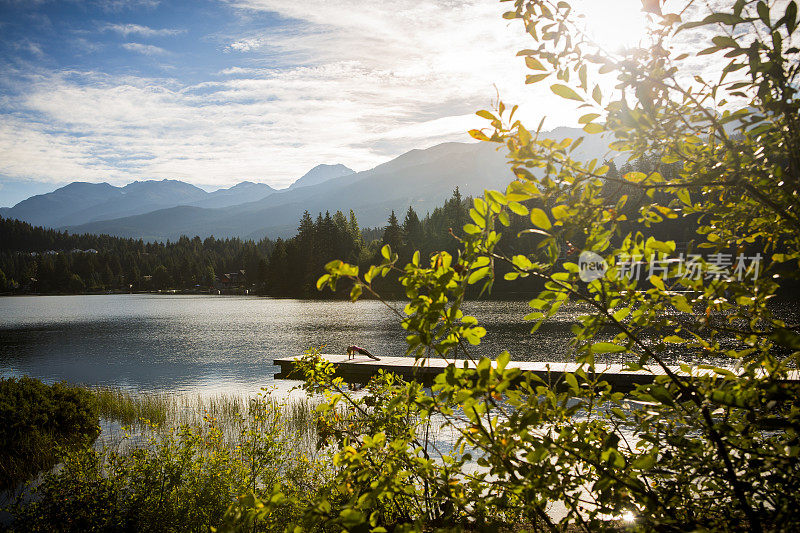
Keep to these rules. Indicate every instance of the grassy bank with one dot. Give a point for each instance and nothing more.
(145, 410)
(180, 463)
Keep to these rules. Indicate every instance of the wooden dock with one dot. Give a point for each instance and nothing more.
(362, 368)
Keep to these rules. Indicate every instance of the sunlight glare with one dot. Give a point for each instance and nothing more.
(614, 24)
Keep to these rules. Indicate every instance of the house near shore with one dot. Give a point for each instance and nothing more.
(232, 280)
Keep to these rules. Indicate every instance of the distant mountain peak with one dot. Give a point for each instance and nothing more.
(77, 185)
(242, 192)
(247, 185)
(322, 173)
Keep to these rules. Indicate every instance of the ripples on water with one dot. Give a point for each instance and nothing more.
(214, 344)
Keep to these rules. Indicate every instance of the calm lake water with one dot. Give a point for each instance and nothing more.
(223, 344)
(212, 344)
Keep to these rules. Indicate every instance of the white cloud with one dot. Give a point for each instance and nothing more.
(246, 45)
(30, 47)
(135, 29)
(367, 81)
(86, 46)
(450, 53)
(92, 127)
(146, 49)
(125, 5)
(240, 71)
(370, 81)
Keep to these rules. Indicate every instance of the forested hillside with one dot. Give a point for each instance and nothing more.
(34, 259)
(39, 260)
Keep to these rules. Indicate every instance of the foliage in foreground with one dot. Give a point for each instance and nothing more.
(714, 450)
(179, 479)
(40, 423)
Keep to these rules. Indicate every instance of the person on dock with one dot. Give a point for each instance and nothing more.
(353, 350)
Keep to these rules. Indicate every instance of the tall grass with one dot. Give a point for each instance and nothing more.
(179, 462)
(146, 411)
(131, 409)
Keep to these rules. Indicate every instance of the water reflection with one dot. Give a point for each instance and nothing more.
(225, 344)
(212, 343)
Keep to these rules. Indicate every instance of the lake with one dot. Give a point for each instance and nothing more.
(220, 344)
(216, 344)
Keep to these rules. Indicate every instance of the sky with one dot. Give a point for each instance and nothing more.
(214, 92)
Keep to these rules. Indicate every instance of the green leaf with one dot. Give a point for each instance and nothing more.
(569, 377)
(502, 360)
(565, 92)
(657, 282)
(587, 118)
(763, 13)
(478, 134)
(661, 394)
(476, 217)
(535, 78)
(635, 177)
(728, 19)
(723, 41)
(518, 208)
(497, 197)
(333, 265)
(597, 94)
(593, 128)
(478, 275)
(607, 347)
(540, 219)
(621, 314)
(524, 135)
(786, 338)
(681, 304)
(352, 518)
(355, 292)
(522, 262)
(503, 218)
(370, 274)
(790, 17)
(536, 231)
(560, 212)
(534, 64)
(471, 229)
(644, 462)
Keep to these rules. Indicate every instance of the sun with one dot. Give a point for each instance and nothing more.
(613, 24)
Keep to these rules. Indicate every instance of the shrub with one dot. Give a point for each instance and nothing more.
(40, 422)
(182, 479)
(710, 448)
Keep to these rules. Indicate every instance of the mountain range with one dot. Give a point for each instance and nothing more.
(167, 209)
(81, 203)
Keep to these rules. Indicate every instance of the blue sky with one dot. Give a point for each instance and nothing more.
(214, 92)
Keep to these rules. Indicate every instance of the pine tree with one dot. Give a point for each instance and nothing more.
(412, 230)
(393, 233)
